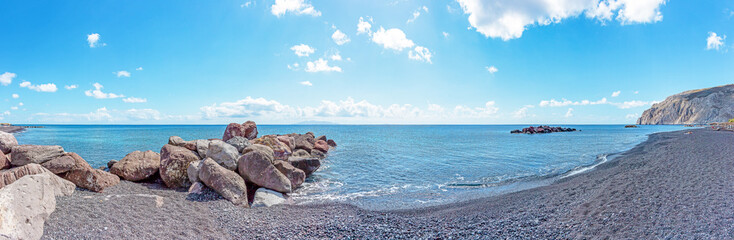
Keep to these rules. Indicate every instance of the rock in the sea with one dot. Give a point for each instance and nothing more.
(25, 154)
(307, 164)
(7, 142)
(224, 154)
(247, 130)
(193, 170)
(280, 149)
(60, 165)
(4, 161)
(257, 167)
(295, 175)
(224, 181)
(300, 153)
(265, 198)
(111, 163)
(174, 164)
(239, 142)
(321, 145)
(9, 176)
(318, 154)
(137, 165)
(701, 106)
(331, 143)
(92, 179)
(543, 129)
(26, 204)
(304, 142)
(322, 137)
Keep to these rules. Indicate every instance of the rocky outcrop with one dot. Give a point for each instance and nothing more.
(26, 204)
(7, 142)
(701, 106)
(257, 167)
(174, 164)
(247, 130)
(137, 165)
(223, 153)
(224, 181)
(25, 154)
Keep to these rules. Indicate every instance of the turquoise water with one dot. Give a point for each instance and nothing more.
(389, 166)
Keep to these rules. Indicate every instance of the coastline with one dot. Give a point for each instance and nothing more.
(671, 185)
(12, 129)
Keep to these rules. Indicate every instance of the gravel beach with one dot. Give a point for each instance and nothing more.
(674, 185)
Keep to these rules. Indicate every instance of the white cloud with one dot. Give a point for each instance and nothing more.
(135, 100)
(569, 113)
(20, 104)
(321, 65)
(98, 94)
(122, 73)
(13, 108)
(714, 42)
(564, 102)
(417, 13)
(139, 69)
(93, 40)
(488, 110)
(632, 116)
(70, 87)
(523, 112)
(247, 4)
(293, 66)
(111, 115)
(507, 19)
(616, 94)
(491, 69)
(364, 27)
(48, 87)
(336, 57)
(306, 83)
(631, 104)
(421, 54)
(445, 34)
(298, 7)
(15, 95)
(340, 38)
(7, 78)
(392, 39)
(303, 50)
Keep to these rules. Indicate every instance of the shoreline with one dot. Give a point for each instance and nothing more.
(671, 185)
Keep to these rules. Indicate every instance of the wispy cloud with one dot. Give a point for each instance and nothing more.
(48, 87)
(6, 78)
(98, 94)
(303, 50)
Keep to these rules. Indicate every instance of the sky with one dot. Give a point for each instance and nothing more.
(356, 62)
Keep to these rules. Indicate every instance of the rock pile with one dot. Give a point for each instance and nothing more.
(543, 129)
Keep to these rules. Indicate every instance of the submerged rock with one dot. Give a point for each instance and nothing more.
(137, 165)
(25, 154)
(224, 181)
(174, 164)
(543, 129)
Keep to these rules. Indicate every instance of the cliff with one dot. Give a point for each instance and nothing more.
(700, 106)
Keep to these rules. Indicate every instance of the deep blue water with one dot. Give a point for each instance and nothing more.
(389, 166)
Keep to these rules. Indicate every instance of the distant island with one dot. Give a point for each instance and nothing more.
(701, 106)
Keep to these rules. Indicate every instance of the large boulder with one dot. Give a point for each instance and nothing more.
(9, 176)
(257, 167)
(288, 141)
(92, 179)
(4, 161)
(280, 150)
(265, 198)
(26, 204)
(304, 142)
(259, 147)
(25, 154)
(307, 164)
(224, 181)
(61, 164)
(174, 164)
(295, 175)
(193, 171)
(7, 142)
(224, 154)
(239, 142)
(321, 145)
(137, 165)
(247, 130)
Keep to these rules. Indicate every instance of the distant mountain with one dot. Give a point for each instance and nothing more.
(700, 106)
(315, 123)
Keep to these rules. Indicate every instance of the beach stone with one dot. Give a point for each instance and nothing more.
(92, 179)
(247, 130)
(321, 145)
(224, 154)
(137, 165)
(280, 149)
(174, 164)
(25, 154)
(4, 161)
(239, 142)
(295, 175)
(318, 154)
(60, 165)
(300, 153)
(193, 171)
(265, 198)
(257, 167)
(304, 142)
(307, 164)
(331, 143)
(9, 176)
(202, 147)
(224, 181)
(26, 204)
(7, 142)
(196, 188)
(288, 141)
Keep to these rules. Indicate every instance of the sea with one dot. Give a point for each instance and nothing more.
(385, 167)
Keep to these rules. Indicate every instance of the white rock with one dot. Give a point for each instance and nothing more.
(7, 141)
(224, 154)
(265, 198)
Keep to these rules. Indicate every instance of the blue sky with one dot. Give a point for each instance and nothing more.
(287, 61)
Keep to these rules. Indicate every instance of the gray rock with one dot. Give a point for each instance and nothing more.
(700, 106)
(224, 154)
(239, 142)
(308, 165)
(304, 142)
(7, 142)
(193, 170)
(25, 154)
(225, 182)
(26, 204)
(265, 198)
(300, 153)
(197, 188)
(202, 147)
(318, 153)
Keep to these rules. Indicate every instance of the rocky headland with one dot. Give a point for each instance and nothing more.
(701, 106)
